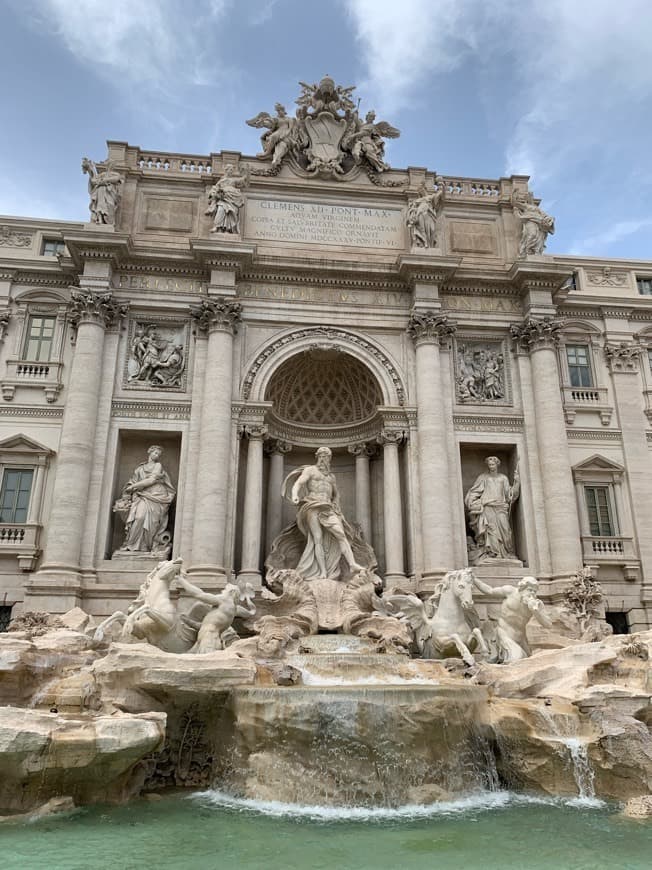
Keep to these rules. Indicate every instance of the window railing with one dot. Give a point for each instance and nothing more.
(25, 373)
(608, 548)
(586, 399)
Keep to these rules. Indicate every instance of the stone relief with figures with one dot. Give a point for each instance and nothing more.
(481, 375)
(327, 136)
(157, 355)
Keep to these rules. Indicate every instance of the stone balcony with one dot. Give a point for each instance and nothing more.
(21, 540)
(23, 373)
(586, 399)
(611, 550)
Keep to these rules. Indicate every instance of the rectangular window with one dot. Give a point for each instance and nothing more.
(579, 367)
(40, 334)
(644, 286)
(14, 495)
(598, 505)
(52, 247)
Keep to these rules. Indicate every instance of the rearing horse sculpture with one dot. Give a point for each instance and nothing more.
(447, 624)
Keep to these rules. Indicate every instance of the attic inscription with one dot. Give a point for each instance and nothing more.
(324, 224)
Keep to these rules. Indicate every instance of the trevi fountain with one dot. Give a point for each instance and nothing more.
(386, 684)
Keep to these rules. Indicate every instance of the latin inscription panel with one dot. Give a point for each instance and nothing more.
(324, 223)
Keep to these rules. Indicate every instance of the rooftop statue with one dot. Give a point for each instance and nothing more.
(327, 135)
(422, 215)
(225, 200)
(536, 225)
(104, 190)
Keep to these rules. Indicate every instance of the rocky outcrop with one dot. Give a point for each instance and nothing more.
(92, 758)
(140, 677)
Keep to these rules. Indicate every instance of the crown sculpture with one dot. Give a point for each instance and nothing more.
(326, 136)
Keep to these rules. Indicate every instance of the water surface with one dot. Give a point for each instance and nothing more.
(494, 831)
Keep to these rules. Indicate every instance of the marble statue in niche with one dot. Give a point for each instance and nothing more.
(320, 544)
(422, 215)
(157, 357)
(104, 191)
(536, 225)
(144, 505)
(480, 372)
(225, 200)
(489, 504)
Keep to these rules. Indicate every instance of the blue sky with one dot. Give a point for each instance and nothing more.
(558, 89)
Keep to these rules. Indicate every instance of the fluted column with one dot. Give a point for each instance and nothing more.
(90, 313)
(540, 336)
(274, 519)
(392, 506)
(428, 329)
(218, 317)
(363, 453)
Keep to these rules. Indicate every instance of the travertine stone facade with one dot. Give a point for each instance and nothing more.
(314, 316)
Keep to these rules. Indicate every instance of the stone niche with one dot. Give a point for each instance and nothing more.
(132, 452)
(473, 464)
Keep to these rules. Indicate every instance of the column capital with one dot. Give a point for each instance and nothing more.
(391, 436)
(88, 307)
(217, 314)
(275, 445)
(363, 448)
(254, 431)
(623, 357)
(535, 333)
(430, 326)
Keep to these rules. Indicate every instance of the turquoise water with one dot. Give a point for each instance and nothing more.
(210, 831)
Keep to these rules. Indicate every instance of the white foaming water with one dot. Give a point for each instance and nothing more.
(309, 678)
(480, 801)
(582, 770)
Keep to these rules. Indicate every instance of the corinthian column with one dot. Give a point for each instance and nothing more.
(363, 453)
(540, 336)
(218, 317)
(90, 314)
(253, 506)
(428, 329)
(274, 518)
(392, 507)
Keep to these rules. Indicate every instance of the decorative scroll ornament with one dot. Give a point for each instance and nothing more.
(327, 136)
(623, 357)
(537, 332)
(430, 326)
(218, 313)
(99, 307)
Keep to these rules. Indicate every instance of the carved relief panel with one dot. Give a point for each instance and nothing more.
(157, 354)
(482, 374)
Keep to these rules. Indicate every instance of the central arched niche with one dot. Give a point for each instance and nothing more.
(323, 387)
(326, 396)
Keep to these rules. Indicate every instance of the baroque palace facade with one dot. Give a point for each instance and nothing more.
(237, 313)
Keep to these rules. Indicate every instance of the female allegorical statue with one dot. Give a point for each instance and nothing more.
(144, 506)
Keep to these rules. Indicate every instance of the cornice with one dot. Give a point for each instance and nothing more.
(218, 254)
(97, 244)
(427, 268)
(144, 409)
(594, 434)
(480, 422)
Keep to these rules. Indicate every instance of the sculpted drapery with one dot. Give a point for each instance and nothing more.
(144, 505)
(488, 503)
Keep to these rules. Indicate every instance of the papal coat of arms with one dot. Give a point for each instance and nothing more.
(326, 136)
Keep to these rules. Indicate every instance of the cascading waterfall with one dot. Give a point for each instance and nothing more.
(582, 770)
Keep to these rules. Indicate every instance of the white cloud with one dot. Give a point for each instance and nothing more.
(160, 42)
(563, 61)
(596, 244)
(403, 42)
